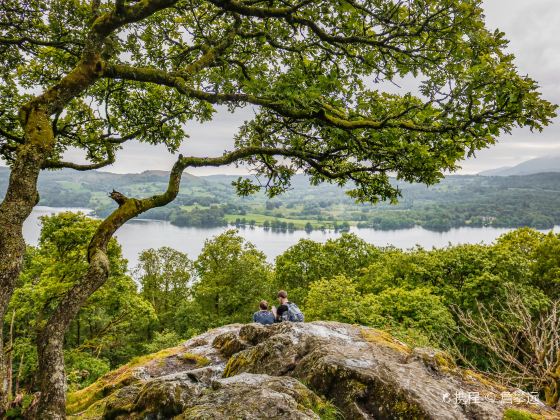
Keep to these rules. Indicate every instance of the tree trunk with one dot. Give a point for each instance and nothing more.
(50, 340)
(21, 197)
(10, 361)
(552, 393)
(51, 376)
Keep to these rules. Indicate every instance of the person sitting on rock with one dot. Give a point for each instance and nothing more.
(287, 311)
(264, 316)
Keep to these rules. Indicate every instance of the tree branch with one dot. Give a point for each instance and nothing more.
(53, 164)
(90, 66)
(33, 41)
(10, 136)
(326, 113)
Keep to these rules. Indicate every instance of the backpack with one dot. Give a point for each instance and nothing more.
(293, 313)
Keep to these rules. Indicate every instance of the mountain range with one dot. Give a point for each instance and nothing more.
(528, 167)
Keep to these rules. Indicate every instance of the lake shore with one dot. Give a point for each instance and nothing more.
(140, 234)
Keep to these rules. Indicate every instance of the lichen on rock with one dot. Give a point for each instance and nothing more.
(324, 370)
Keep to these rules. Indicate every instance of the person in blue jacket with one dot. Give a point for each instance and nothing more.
(264, 316)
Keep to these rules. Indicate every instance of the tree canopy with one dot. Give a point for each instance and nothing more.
(316, 73)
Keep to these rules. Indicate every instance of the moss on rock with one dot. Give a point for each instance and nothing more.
(382, 338)
(513, 414)
(437, 360)
(196, 359)
(293, 370)
(94, 397)
(229, 344)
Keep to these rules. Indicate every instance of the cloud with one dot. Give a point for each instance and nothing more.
(533, 28)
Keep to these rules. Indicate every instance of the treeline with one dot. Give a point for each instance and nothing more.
(436, 297)
(539, 209)
(211, 217)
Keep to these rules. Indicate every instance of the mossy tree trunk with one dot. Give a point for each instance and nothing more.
(50, 341)
(36, 147)
(21, 196)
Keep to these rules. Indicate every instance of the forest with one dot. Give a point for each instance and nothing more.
(423, 297)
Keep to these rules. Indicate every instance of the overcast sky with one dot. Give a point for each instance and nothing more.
(532, 26)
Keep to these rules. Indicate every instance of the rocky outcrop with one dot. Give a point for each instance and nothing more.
(299, 371)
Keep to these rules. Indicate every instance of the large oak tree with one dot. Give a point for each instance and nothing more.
(96, 74)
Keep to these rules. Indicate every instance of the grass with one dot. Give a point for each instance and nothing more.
(298, 223)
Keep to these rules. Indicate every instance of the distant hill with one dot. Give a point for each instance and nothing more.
(529, 167)
(460, 200)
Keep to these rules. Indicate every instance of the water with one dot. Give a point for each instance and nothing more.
(137, 235)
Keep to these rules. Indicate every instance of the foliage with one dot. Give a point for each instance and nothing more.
(83, 368)
(94, 75)
(110, 325)
(395, 309)
(316, 71)
(233, 276)
(336, 299)
(437, 297)
(165, 276)
(308, 261)
(211, 217)
(162, 340)
(460, 298)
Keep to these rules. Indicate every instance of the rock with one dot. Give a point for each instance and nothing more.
(250, 396)
(229, 343)
(255, 333)
(296, 371)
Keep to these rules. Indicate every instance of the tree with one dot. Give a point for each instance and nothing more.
(417, 313)
(105, 331)
(164, 275)
(309, 261)
(547, 265)
(336, 299)
(232, 277)
(50, 340)
(93, 75)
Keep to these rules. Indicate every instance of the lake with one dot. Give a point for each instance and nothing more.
(137, 235)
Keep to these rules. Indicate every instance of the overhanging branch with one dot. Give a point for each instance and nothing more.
(326, 113)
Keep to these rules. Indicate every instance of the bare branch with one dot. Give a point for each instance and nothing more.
(523, 350)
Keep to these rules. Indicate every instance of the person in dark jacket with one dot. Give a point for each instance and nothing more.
(264, 316)
(287, 311)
